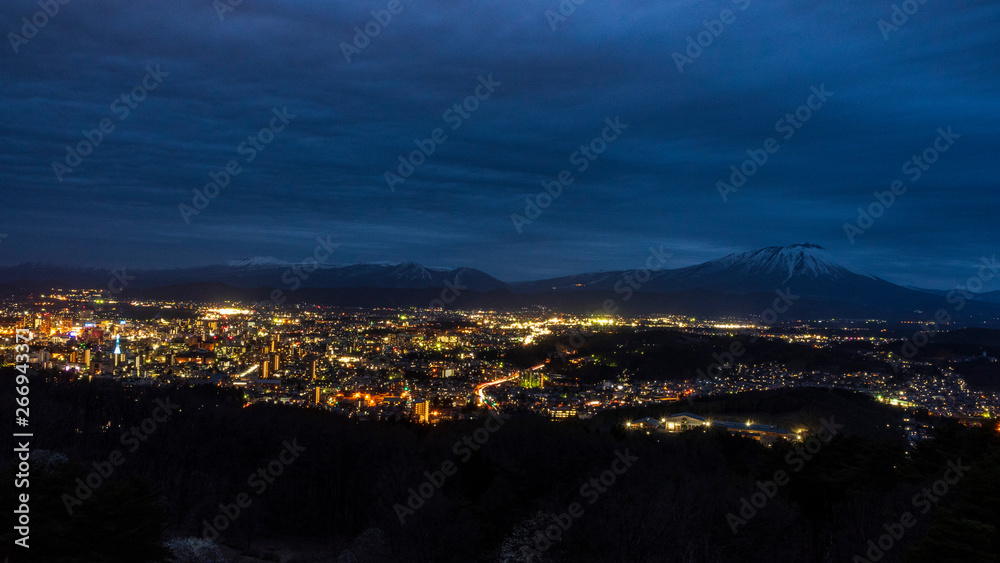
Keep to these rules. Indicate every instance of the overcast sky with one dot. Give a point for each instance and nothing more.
(215, 81)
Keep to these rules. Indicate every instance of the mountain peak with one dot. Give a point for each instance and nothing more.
(788, 261)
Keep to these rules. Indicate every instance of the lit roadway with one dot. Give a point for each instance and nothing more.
(249, 371)
(482, 386)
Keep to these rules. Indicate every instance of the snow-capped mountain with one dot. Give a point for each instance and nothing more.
(806, 270)
(746, 283)
(747, 272)
(789, 261)
(806, 267)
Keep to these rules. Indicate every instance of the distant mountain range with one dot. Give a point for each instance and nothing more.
(738, 284)
(988, 296)
(258, 272)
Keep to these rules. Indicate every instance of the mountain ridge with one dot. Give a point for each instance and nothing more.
(739, 281)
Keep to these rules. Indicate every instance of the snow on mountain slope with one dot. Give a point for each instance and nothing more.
(787, 261)
(257, 262)
(757, 271)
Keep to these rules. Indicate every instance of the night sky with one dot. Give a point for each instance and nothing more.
(211, 82)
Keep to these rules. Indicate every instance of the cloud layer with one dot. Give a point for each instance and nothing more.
(324, 173)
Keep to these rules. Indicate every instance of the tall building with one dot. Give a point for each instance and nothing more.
(312, 370)
(119, 356)
(532, 379)
(423, 410)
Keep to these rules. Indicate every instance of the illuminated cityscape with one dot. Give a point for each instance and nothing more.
(546, 281)
(427, 365)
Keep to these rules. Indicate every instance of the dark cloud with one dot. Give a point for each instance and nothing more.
(323, 174)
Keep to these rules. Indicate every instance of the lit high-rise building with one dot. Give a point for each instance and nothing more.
(118, 357)
(423, 410)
